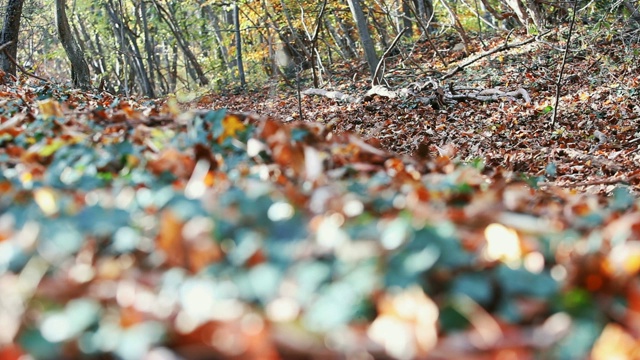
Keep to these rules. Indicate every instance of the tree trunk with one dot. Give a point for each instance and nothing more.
(148, 47)
(236, 24)
(80, 75)
(365, 37)
(129, 46)
(406, 18)
(222, 49)
(168, 18)
(10, 32)
(425, 9)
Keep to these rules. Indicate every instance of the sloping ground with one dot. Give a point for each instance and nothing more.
(593, 145)
(137, 229)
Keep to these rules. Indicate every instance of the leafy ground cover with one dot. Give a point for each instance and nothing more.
(382, 229)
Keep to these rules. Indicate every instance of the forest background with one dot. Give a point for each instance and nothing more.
(392, 179)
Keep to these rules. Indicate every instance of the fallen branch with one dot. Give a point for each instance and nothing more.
(337, 95)
(440, 97)
(500, 48)
(492, 95)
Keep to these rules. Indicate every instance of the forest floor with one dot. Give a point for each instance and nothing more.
(381, 229)
(593, 145)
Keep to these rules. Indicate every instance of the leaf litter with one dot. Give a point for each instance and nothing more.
(134, 228)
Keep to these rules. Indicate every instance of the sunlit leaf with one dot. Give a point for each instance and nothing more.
(50, 108)
(502, 243)
(46, 200)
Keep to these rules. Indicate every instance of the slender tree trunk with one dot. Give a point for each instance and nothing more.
(217, 32)
(80, 74)
(148, 45)
(129, 47)
(173, 68)
(365, 37)
(236, 23)
(167, 17)
(10, 32)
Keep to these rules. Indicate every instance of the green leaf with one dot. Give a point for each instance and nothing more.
(477, 286)
(551, 169)
(622, 198)
(522, 282)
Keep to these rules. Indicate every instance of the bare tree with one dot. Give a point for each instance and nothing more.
(80, 75)
(169, 18)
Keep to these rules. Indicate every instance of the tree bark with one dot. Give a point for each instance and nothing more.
(236, 24)
(80, 74)
(365, 37)
(148, 47)
(10, 32)
(406, 21)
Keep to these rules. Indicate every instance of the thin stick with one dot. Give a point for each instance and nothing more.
(554, 117)
(3, 48)
(374, 80)
(5, 45)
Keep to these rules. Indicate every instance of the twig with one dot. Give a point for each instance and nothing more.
(554, 117)
(374, 80)
(631, 142)
(500, 48)
(3, 47)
